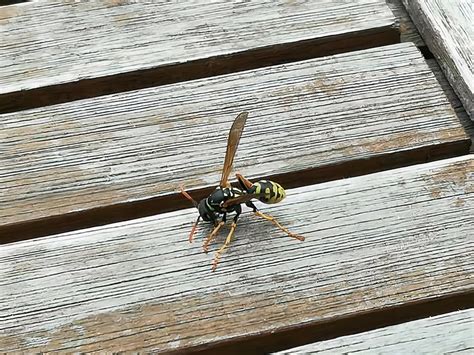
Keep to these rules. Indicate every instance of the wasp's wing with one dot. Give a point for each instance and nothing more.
(238, 200)
(232, 144)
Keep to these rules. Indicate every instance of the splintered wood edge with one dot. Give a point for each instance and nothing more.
(453, 100)
(408, 31)
(183, 69)
(446, 333)
(448, 44)
(379, 250)
(435, 134)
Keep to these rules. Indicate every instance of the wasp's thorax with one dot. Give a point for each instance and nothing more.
(211, 206)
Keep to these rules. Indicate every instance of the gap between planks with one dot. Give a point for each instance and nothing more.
(408, 31)
(81, 50)
(443, 334)
(11, 2)
(342, 327)
(123, 156)
(380, 249)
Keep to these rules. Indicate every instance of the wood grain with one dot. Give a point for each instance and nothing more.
(451, 333)
(448, 31)
(408, 31)
(123, 156)
(61, 51)
(375, 245)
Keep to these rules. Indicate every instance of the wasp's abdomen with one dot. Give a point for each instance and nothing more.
(268, 191)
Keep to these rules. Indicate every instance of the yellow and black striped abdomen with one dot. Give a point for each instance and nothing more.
(268, 191)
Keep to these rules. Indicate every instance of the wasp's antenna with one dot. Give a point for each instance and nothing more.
(188, 196)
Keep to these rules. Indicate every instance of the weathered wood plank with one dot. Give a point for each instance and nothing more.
(451, 333)
(448, 31)
(453, 99)
(61, 51)
(122, 156)
(408, 31)
(375, 245)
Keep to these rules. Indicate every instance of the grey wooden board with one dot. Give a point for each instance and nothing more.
(327, 117)
(408, 31)
(453, 99)
(54, 45)
(451, 333)
(448, 30)
(372, 242)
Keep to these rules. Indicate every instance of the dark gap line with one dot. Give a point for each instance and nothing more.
(174, 201)
(201, 68)
(299, 335)
(11, 2)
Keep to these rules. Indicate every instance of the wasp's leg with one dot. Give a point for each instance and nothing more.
(188, 196)
(223, 248)
(274, 221)
(213, 234)
(195, 204)
(193, 231)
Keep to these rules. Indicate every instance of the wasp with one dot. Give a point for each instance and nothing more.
(227, 199)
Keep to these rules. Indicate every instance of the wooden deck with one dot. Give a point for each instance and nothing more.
(107, 108)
